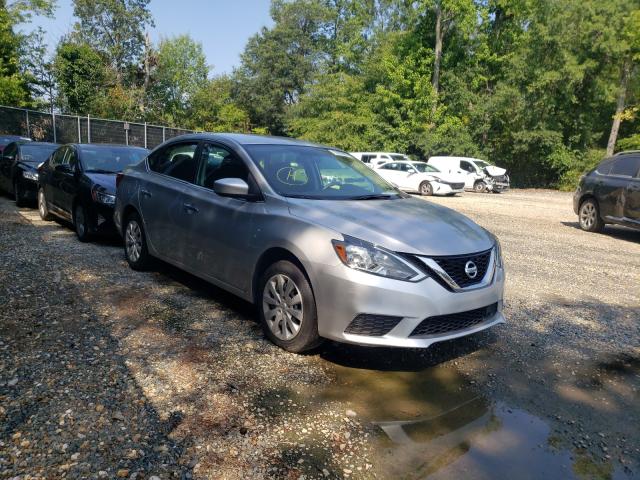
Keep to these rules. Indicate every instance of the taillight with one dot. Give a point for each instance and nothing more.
(119, 177)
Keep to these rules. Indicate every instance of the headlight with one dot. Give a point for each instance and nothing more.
(30, 175)
(361, 255)
(104, 198)
(498, 254)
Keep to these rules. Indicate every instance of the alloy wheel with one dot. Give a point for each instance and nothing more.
(282, 306)
(133, 241)
(42, 207)
(426, 189)
(588, 215)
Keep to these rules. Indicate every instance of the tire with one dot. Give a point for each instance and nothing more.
(81, 223)
(135, 244)
(42, 206)
(18, 195)
(589, 216)
(277, 306)
(479, 187)
(426, 189)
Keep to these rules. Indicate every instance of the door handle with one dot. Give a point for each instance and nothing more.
(144, 192)
(189, 208)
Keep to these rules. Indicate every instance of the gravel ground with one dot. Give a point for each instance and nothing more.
(110, 373)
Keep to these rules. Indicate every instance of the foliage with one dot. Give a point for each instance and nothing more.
(80, 76)
(180, 73)
(115, 28)
(213, 108)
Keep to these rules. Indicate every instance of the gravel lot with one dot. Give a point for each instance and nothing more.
(110, 373)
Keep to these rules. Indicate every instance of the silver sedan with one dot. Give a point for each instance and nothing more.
(323, 245)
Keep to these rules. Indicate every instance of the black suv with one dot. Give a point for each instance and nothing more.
(610, 193)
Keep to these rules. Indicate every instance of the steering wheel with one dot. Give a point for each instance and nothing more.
(331, 183)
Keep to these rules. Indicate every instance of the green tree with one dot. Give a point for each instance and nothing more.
(80, 75)
(15, 83)
(181, 72)
(214, 110)
(115, 28)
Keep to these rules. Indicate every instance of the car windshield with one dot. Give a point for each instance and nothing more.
(481, 163)
(425, 168)
(318, 173)
(36, 153)
(110, 159)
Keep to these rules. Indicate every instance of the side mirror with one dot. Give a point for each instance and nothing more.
(231, 187)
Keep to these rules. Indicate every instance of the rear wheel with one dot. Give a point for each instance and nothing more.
(426, 189)
(42, 206)
(135, 244)
(81, 223)
(480, 187)
(18, 194)
(589, 216)
(288, 308)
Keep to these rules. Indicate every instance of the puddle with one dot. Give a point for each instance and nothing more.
(430, 424)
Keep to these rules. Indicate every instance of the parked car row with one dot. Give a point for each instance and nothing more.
(322, 245)
(443, 175)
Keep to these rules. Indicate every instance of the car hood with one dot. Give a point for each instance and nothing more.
(407, 225)
(495, 171)
(105, 180)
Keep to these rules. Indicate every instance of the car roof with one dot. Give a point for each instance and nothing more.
(243, 139)
(104, 145)
(35, 144)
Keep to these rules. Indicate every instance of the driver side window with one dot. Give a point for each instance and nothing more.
(217, 163)
(467, 166)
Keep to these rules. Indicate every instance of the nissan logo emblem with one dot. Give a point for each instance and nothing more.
(471, 269)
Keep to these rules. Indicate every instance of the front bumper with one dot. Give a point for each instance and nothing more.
(445, 189)
(344, 293)
(500, 187)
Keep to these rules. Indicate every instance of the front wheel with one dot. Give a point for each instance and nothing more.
(81, 223)
(426, 189)
(18, 194)
(480, 187)
(42, 206)
(135, 244)
(589, 216)
(288, 308)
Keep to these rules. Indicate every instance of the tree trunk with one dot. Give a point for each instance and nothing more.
(438, 50)
(435, 81)
(617, 118)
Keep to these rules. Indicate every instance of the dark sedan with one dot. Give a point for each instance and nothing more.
(610, 193)
(18, 168)
(78, 183)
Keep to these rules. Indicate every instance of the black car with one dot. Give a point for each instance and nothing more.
(7, 139)
(610, 193)
(19, 168)
(78, 183)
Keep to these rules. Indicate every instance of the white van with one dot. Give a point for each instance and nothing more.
(480, 175)
(375, 159)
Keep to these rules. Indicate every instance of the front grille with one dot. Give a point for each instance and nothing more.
(455, 267)
(372, 325)
(454, 321)
(456, 186)
(501, 179)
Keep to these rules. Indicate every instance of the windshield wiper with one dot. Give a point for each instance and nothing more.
(373, 196)
(294, 195)
(98, 170)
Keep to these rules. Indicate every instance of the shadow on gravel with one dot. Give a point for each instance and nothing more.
(615, 231)
(70, 406)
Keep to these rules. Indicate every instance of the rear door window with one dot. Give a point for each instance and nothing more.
(177, 160)
(625, 166)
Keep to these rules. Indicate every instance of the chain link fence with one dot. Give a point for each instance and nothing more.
(52, 127)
